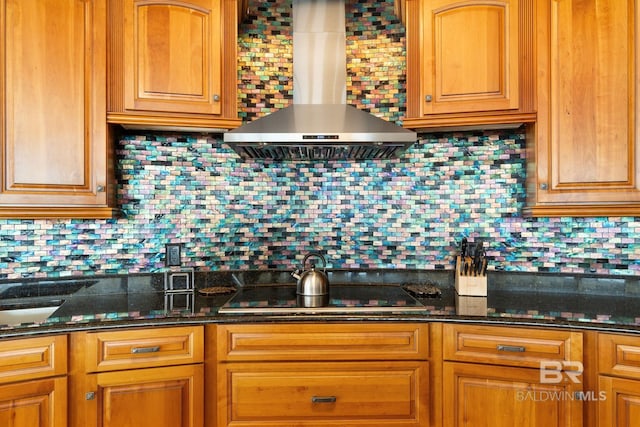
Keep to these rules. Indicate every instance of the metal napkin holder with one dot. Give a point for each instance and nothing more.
(179, 289)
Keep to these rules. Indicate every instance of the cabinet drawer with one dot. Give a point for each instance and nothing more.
(619, 355)
(285, 394)
(30, 358)
(324, 341)
(511, 346)
(129, 349)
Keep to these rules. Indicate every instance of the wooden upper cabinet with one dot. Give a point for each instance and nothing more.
(52, 109)
(585, 159)
(469, 63)
(173, 63)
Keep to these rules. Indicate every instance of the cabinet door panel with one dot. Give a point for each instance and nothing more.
(173, 61)
(159, 397)
(470, 64)
(39, 403)
(586, 158)
(620, 405)
(480, 395)
(474, 56)
(54, 128)
(592, 99)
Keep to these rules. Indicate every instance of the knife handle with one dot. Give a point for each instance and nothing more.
(461, 266)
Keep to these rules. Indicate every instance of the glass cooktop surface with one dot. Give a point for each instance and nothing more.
(341, 298)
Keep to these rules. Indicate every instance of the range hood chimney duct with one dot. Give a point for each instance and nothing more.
(319, 125)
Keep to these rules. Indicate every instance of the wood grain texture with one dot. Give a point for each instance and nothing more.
(54, 138)
(173, 64)
(586, 151)
(474, 60)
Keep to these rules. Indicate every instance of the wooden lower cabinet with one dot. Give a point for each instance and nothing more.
(511, 376)
(159, 397)
(37, 403)
(509, 346)
(33, 382)
(322, 374)
(318, 374)
(137, 377)
(618, 380)
(479, 395)
(619, 400)
(337, 393)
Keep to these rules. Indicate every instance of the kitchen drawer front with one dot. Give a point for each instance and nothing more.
(31, 358)
(281, 342)
(143, 348)
(619, 355)
(512, 346)
(285, 394)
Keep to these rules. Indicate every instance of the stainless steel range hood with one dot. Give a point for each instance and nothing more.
(319, 125)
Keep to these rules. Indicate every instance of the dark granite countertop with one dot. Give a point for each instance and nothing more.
(568, 301)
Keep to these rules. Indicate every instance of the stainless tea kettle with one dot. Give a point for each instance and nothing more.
(312, 282)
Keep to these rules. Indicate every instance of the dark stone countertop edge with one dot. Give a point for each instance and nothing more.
(510, 289)
(37, 330)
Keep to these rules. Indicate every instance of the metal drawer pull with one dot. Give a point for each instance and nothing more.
(512, 348)
(323, 399)
(137, 350)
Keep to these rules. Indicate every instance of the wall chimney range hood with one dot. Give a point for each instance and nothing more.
(319, 125)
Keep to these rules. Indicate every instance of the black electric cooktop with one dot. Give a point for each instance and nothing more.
(341, 299)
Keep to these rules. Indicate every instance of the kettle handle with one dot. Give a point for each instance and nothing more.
(317, 255)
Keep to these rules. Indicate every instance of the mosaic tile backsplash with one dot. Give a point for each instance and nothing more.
(408, 213)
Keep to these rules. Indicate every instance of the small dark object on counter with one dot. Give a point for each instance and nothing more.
(423, 291)
(217, 290)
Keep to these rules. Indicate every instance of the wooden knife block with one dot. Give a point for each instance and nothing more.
(470, 285)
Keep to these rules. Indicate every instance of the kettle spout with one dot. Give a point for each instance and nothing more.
(296, 274)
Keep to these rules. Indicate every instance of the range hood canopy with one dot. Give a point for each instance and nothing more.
(320, 131)
(319, 125)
